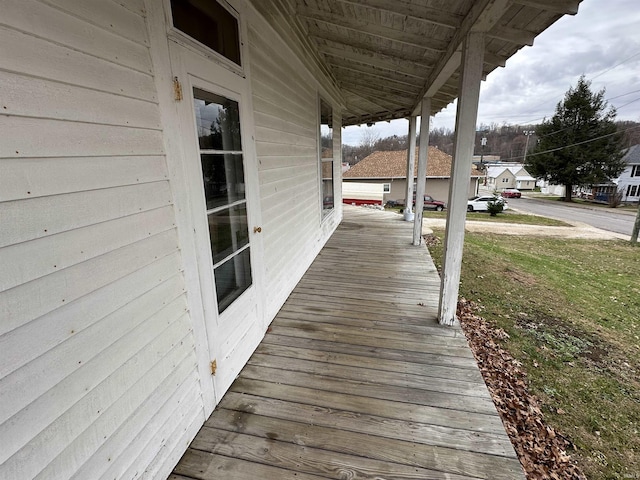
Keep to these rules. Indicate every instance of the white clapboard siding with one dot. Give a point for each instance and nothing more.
(39, 98)
(161, 414)
(39, 177)
(26, 261)
(173, 447)
(97, 352)
(124, 17)
(42, 20)
(27, 343)
(31, 137)
(35, 379)
(127, 440)
(63, 64)
(71, 283)
(85, 383)
(44, 213)
(116, 397)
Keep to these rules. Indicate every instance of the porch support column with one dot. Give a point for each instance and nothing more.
(466, 116)
(422, 169)
(411, 166)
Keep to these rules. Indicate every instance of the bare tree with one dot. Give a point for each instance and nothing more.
(368, 140)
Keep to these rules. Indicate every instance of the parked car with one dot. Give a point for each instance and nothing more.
(479, 204)
(432, 204)
(511, 193)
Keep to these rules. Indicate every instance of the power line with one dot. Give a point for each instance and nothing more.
(574, 144)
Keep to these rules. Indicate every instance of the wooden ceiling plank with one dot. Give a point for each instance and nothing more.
(411, 10)
(563, 7)
(378, 92)
(425, 59)
(513, 35)
(377, 60)
(380, 31)
(382, 102)
(345, 74)
(388, 73)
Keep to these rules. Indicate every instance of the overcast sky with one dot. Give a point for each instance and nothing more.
(602, 41)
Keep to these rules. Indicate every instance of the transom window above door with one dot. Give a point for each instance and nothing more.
(211, 23)
(220, 141)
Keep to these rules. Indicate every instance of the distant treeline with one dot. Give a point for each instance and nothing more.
(506, 141)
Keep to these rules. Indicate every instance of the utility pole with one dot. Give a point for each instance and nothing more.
(527, 134)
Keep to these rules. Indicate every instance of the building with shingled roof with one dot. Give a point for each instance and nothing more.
(390, 169)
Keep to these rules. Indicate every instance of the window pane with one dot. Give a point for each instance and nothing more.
(228, 231)
(327, 186)
(218, 122)
(209, 23)
(232, 278)
(223, 177)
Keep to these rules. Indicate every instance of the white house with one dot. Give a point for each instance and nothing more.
(168, 172)
(500, 177)
(629, 180)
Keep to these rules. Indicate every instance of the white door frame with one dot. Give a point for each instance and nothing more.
(226, 331)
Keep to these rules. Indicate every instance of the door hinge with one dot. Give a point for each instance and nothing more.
(214, 367)
(177, 90)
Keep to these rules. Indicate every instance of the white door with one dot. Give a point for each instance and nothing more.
(216, 132)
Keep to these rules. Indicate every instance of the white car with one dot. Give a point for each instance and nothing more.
(479, 204)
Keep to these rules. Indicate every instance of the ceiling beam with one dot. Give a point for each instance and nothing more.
(382, 102)
(385, 62)
(563, 7)
(366, 119)
(482, 16)
(411, 10)
(364, 27)
(426, 59)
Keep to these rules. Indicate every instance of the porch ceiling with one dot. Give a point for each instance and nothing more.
(385, 55)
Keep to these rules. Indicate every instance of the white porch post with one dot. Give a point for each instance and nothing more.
(411, 165)
(422, 169)
(466, 116)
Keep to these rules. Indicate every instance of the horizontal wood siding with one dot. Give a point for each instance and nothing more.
(285, 101)
(98, 372)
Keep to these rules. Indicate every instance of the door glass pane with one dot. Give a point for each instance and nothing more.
(228, 231)
(232, 278)
(209, 23)
(223, 178)
(218, 122)
(221, 158)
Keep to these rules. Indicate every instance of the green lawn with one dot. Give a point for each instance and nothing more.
(572, 311)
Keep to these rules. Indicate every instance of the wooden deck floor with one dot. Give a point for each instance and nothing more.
(356, 380)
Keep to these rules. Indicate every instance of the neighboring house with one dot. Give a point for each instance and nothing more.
(500, 177)
(629, 180)
(390, 170)
(168, 172)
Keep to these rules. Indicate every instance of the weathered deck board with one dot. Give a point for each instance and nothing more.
(356, 379)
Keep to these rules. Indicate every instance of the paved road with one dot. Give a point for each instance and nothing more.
(606, 219)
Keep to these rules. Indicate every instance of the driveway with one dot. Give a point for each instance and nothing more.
(603, 218)
(576, 230)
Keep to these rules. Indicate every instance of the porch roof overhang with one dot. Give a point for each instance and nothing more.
(386, 55)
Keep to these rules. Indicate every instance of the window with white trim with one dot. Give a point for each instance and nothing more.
(326, 157)
(386, 188)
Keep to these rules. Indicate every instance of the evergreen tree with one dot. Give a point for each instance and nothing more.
(580, 144)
